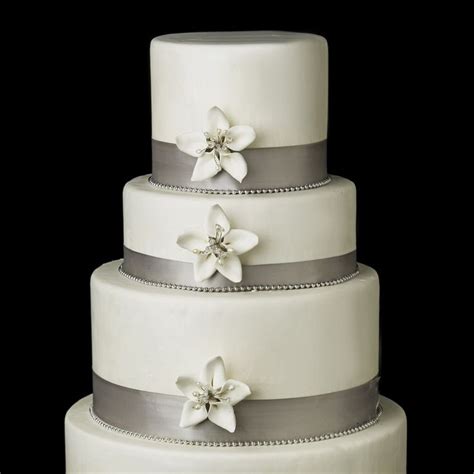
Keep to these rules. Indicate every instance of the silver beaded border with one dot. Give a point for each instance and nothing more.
(237, 289)
(238, 192)
(231, 444)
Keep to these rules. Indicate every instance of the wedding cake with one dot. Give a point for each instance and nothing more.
(238, 333)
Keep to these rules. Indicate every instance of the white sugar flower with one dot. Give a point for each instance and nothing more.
(211, 396)
(217, 147)
(218, 249)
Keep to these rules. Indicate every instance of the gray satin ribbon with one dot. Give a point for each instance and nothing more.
(157, 414)
(162, 270)
(268, 168)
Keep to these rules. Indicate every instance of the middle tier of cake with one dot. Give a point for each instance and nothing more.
(283, 344)
(295, 226)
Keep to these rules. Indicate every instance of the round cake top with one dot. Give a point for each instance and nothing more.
(237, 37)
(272, 81)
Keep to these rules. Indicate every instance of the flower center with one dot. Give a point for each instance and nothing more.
(216, 246)
(207, 395)
(217, 145)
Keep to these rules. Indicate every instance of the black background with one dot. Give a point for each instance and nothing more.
(88, 102)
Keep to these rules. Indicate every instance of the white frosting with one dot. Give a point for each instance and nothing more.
(283, 344)
(291, 227)
(276, 82)
(379, 449)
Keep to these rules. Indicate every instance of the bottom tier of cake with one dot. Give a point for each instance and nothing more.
(378, 449)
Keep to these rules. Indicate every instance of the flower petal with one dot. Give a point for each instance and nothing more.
(235, 165)
(231, 268)
(215, 217)
(213, 373)
(192, 240)
(242, 136)
(236, 391)
(187, 384)
(222, 414)
(191, 416)
(241, 241)
(204, 168)
(204, 267)
(192, 143)
(216, 119)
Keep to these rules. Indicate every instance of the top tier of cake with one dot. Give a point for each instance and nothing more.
(274, 81)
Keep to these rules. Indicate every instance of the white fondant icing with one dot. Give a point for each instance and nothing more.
(283, 344)
(276, 82)
(292, 227)
(379, 449)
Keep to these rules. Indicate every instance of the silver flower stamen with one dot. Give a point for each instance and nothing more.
(217, 145)
(209, 395)
(216, 246)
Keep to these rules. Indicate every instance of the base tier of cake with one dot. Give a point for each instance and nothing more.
(92, 448)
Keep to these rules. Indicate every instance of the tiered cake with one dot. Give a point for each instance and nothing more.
(238, 334)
